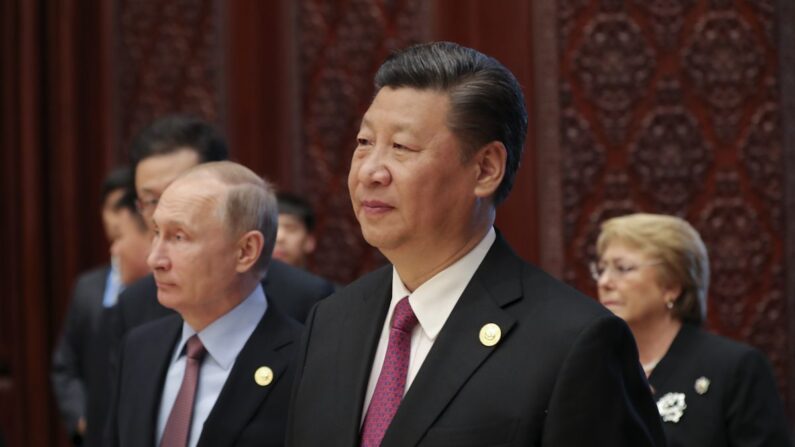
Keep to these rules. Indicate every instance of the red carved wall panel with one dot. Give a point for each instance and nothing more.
(168, 59)
(340, 47)
(673, 107)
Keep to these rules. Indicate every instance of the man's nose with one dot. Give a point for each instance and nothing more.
(373, 168)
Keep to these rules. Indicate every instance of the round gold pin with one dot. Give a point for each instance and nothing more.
(490, 334)
(263, 376)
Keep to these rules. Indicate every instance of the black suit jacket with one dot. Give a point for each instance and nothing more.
(740, 407)
(564, 374)
(292, 290)
(245, 413)
(74, 362)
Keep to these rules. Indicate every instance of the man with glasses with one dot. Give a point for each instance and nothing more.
(159, 154)
(219, 371)
(168, 147)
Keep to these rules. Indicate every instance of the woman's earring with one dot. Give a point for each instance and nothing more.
(669, 305)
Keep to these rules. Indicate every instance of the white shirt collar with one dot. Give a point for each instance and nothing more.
(224, 338)
(433, 300)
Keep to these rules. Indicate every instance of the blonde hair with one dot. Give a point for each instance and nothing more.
(677, 245)
(249, 203)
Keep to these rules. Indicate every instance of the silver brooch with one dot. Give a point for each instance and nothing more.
(702, 385)
(672, 407)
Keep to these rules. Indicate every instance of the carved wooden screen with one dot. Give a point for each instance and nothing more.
(672, 106)
(340, 48)
(168, 60)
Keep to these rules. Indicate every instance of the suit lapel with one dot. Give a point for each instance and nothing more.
(97, 291)
(359, 336)
(676, 354)
(241, 396)
(457, 352)
(149, 387)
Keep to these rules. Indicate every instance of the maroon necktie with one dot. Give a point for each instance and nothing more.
(178, 425)
(392, 380)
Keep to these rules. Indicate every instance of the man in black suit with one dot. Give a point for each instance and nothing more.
(74, 369)
(162, 151)
(459, 342)
(219, 373)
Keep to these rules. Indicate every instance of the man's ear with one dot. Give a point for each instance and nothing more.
(490, 163)
(249, 249)
(310, 243)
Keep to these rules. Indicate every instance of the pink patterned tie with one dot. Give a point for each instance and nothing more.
(392, 380)
(178, 425)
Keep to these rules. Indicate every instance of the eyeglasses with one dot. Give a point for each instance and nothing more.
(617, 270)
(146, 206)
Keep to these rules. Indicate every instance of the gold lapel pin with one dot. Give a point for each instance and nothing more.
(490, 334)
(263, 376)
(702, 385)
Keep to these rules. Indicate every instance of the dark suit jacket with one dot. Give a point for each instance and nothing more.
(741, 406)
(245, 413)
(292, 290)
(564, 374)
(74, 360)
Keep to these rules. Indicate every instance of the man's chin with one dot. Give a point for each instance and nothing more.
(166, 299)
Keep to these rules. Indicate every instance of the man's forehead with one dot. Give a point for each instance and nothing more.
(153, 174)
(189, 196)
(290, 219)
(405, 108)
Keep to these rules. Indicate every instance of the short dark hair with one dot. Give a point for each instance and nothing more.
(127, 202)
(118, 178)
(172, 133)
(486, 101)
(295, 205)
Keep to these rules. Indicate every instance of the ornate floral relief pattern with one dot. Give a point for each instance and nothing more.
(739, 248)
(340, 49)
(167, 59)
(613, 65)
(724, 61)
(721, 4)
(768, 327)
(617, 202)
(667, 19)
(567, 11)
(671, 155)
(583, 159)
(763, 159)
(709, 150)
(766, 11)
(614, 6)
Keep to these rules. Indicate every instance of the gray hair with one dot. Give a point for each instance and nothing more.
(249, 204)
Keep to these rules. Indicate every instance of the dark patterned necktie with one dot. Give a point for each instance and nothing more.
(178, 425)
(392, 380)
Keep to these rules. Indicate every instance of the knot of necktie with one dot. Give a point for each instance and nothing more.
(195, 349)
(403, 319)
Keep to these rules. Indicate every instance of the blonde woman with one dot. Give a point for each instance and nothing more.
(653, 272)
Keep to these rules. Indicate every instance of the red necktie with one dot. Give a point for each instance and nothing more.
(392, 380)
(178, 425)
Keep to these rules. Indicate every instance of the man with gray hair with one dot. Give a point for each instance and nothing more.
(218, 373)
(459, 342)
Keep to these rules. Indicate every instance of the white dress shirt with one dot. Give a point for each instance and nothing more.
(432, 302)
(223, 340)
